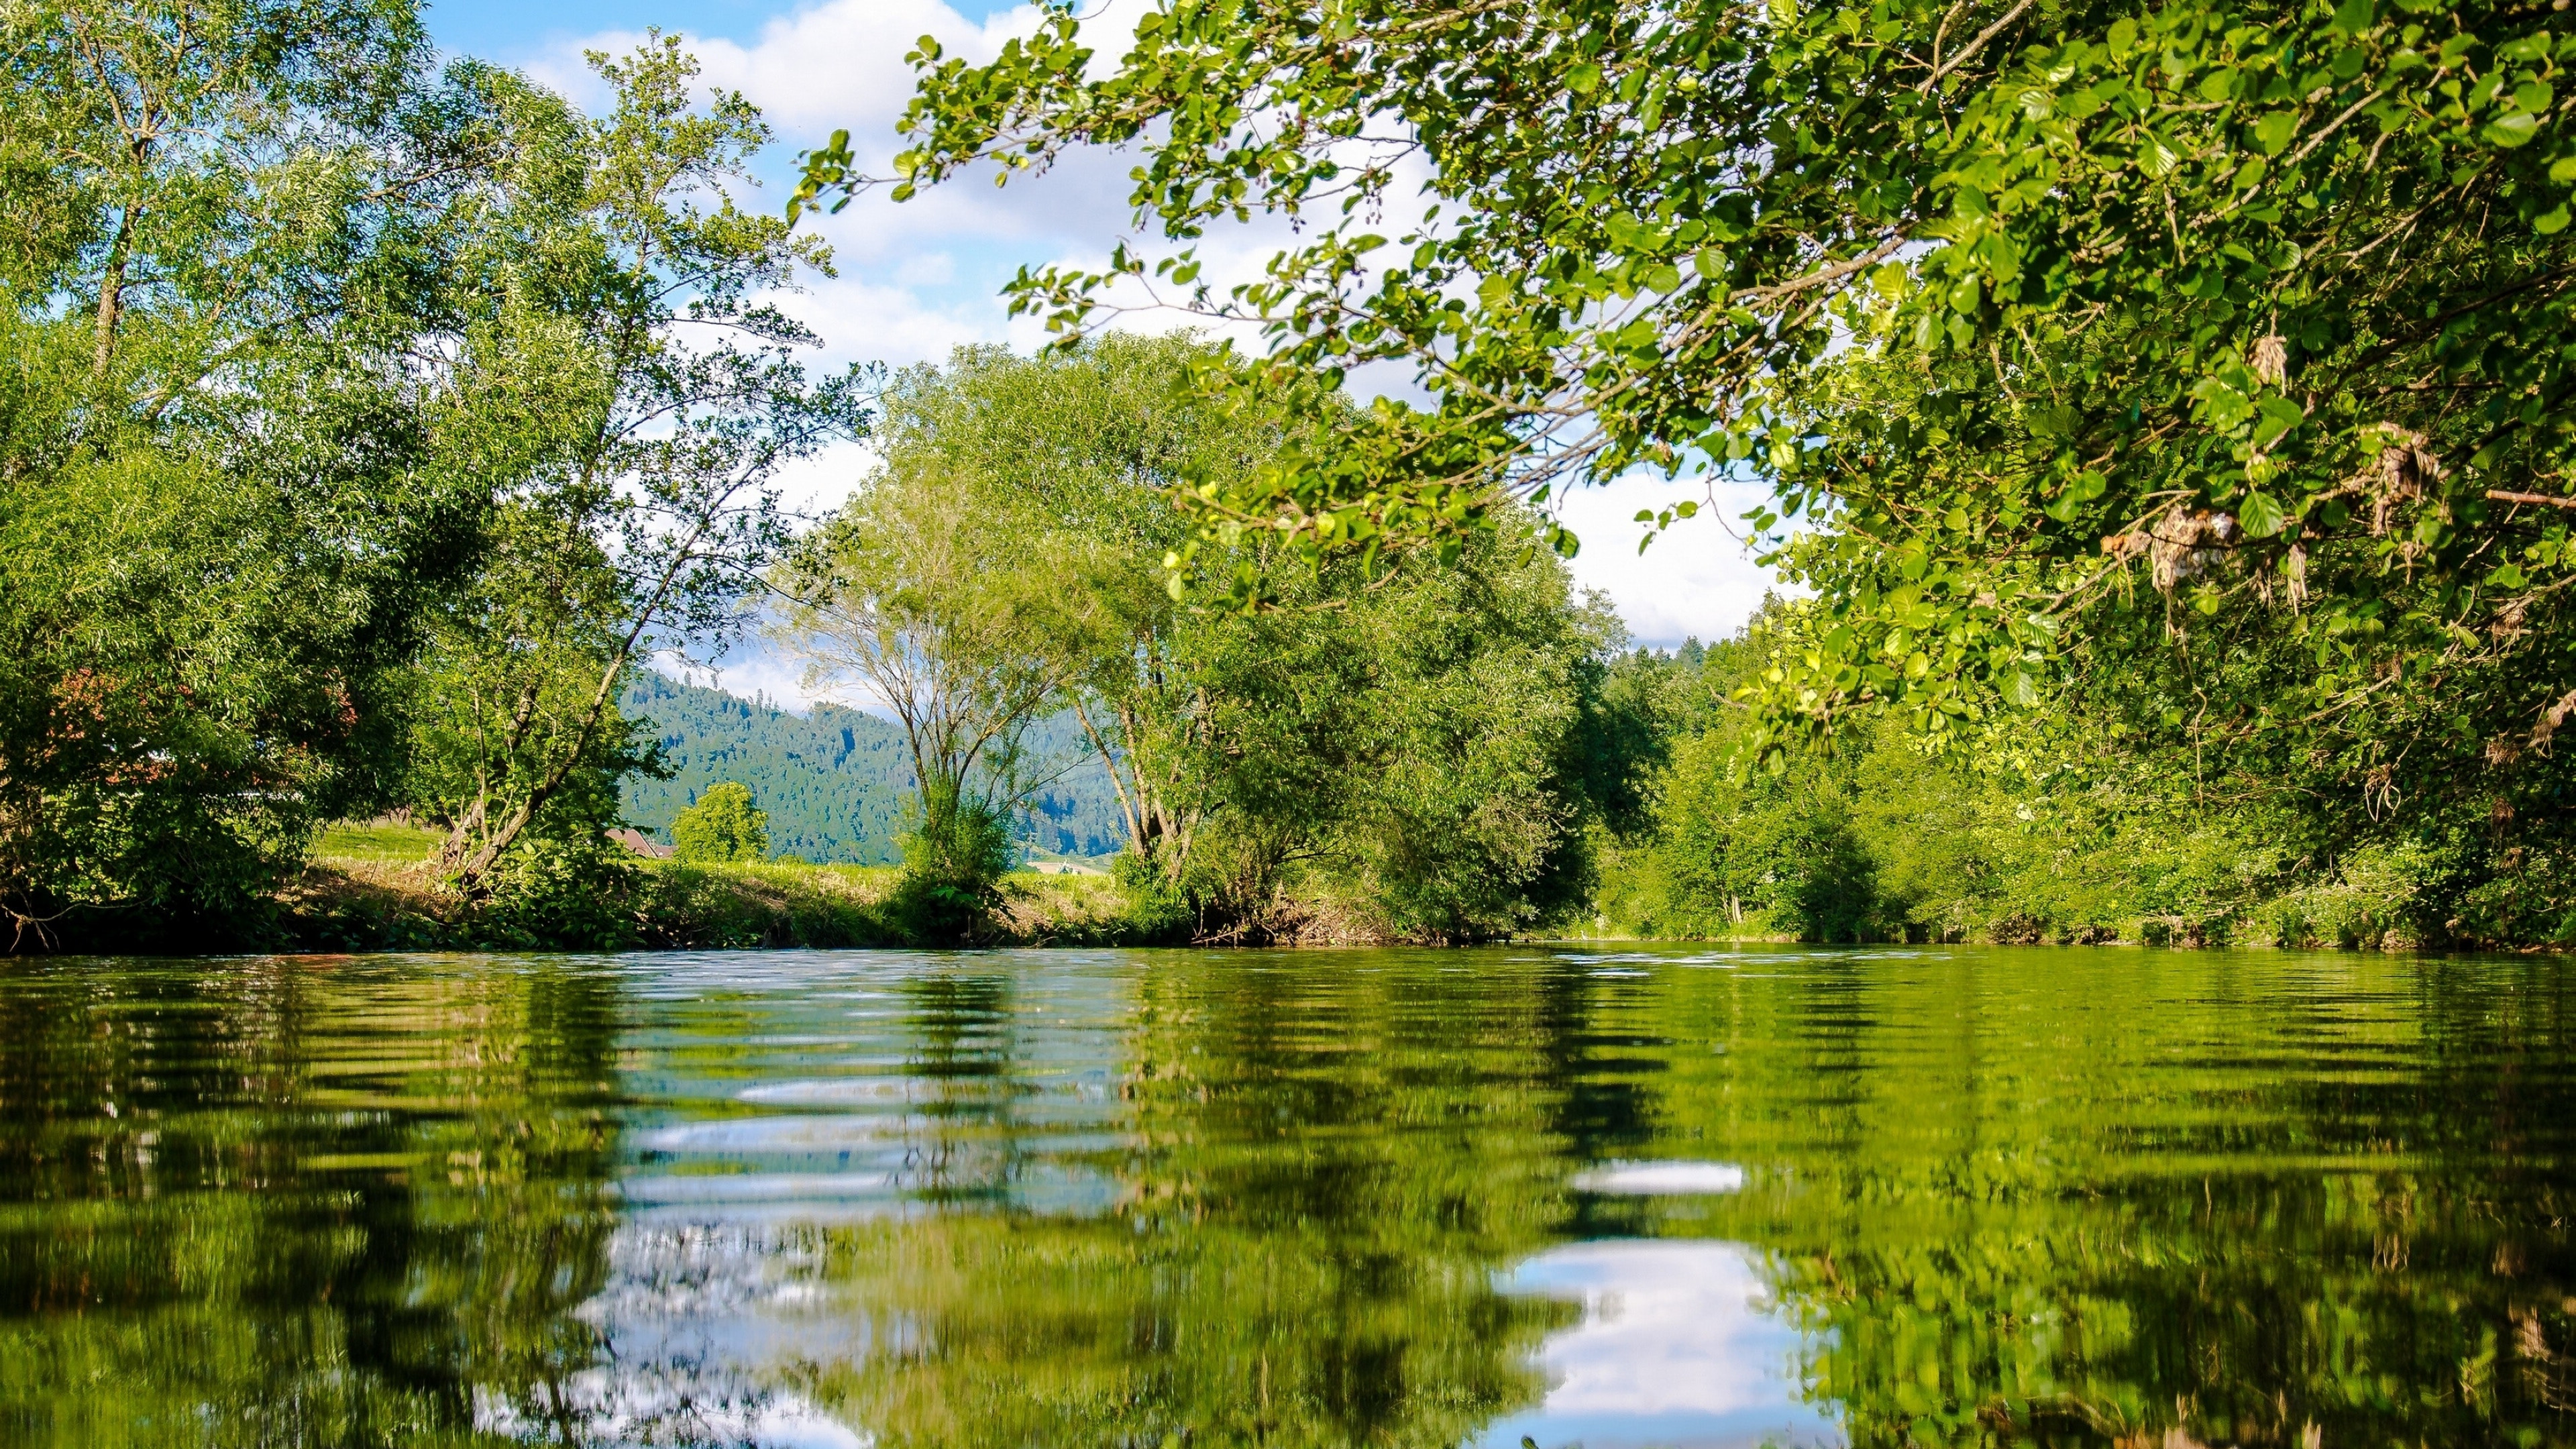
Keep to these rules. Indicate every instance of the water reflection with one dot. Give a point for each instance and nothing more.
(1679, 1346)
(1386, 1198)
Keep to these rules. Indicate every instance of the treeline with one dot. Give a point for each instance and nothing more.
(2169, 408)
(370, 420)
(834, 780)
(2061, 824)
(367, 422)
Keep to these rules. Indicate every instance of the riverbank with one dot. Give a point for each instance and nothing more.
(343, 904)
(376, 888)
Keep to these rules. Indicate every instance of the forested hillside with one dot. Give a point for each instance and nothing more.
(833, 782)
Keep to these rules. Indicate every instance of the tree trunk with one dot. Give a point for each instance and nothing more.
(111, 294)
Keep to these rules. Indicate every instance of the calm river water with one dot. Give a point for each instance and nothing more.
(1495, 1197)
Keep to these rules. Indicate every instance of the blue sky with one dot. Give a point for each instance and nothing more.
(920, 278)
(504, 31)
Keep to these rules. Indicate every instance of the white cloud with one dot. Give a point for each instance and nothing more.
(1677, 1345)
(1696, 579)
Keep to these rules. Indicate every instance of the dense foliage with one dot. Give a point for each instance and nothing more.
(234, 457)
(2024, 830)
(638, 336)
(2202, 368)
(350, 454)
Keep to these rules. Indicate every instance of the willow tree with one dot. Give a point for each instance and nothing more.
(1069, 465)
(2259, 311)
(916, 596)
(1411, 748)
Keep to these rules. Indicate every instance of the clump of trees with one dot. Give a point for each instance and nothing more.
(2030, 826)
(1414, 755)
(361, 423)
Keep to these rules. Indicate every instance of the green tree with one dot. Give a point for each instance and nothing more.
(1069, 464)
(1410, 756)
(916, 594)
(722, 826)
(657, 393)
(2206, 363)
(236, 449)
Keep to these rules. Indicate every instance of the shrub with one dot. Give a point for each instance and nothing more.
(953, 863)
(574, 891)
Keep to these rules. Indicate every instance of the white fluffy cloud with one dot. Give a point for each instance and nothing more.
(1697, 579)
(919, 278)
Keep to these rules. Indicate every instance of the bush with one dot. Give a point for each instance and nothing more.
(1158, 907)
(953, 863)
(569, 892)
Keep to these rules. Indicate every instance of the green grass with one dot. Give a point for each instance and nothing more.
(374, 887)
(376, 843)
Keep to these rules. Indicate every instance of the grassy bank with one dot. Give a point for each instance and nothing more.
(375, 888)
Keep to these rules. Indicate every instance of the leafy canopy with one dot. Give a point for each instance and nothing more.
(236, 452)
(2018, 307)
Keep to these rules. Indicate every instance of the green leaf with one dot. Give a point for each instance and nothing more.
(2353, 17)
(1584, 79)
(2278, 415)
(2020, 690)
(2260, 516)
(2273, 132)
(2513, 128)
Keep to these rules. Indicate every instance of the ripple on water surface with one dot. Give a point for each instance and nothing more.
(1608, 1197)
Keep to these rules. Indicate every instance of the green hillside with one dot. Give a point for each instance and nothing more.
(833, 782)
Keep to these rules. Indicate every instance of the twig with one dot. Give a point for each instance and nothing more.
(2501, 495)
(1972, 47)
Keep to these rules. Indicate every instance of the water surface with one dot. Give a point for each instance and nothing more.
(1388, 1198)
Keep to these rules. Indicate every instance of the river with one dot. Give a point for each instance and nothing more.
(1495, 1197)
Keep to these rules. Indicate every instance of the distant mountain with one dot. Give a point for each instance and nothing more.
(834, 783)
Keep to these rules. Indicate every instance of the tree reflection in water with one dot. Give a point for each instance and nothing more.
(280, 1202)
(1069, 1199)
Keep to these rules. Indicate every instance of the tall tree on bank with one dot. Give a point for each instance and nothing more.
(230, 237)
(1069, 466)
(918, 594)
(661, 392)
(2258, 312)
